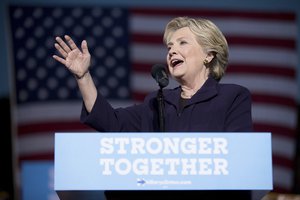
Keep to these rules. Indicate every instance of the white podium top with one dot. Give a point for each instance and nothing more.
(163, 161)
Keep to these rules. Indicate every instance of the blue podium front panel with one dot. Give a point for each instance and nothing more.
(163, 161)
(38, 180)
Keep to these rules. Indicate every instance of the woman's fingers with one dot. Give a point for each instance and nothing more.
(61, 50)
(84, 47)
(63, 45)
(70, 42)
(59, 59)
(70, 52)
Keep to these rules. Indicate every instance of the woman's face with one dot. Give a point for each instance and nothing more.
(185, 56)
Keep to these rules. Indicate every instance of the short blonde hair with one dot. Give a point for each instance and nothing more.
(208, 36)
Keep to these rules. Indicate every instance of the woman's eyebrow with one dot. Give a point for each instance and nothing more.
(180, 38)
(169, 43)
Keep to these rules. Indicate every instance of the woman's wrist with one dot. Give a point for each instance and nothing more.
(82, 76)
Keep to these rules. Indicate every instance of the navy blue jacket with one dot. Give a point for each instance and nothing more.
(215, 107)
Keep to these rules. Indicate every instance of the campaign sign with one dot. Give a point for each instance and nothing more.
(163, 161)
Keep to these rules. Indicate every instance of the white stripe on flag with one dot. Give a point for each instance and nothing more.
(274, 114)
(59, 110)
(233, 26)
(265, 84)
(148, 53)
(48, 112)
(148, 24)
(280, 57)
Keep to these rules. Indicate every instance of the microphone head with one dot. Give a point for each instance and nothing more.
(159, 73)
(156, 69)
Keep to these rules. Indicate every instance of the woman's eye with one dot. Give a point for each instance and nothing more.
(183, 42)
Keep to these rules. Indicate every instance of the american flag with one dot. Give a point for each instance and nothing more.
(124, 43)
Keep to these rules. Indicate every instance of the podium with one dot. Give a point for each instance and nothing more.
(181, 165)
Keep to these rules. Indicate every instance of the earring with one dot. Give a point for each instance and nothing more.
(205, 62)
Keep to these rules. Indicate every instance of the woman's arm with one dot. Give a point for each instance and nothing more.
(239, 116)
(78, 62)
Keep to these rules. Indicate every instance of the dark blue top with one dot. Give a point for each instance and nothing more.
(215, 107)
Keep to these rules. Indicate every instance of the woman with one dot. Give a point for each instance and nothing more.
(197, 59)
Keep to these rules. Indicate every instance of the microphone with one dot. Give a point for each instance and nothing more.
(159, 73)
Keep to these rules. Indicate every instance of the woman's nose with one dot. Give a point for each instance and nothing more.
(171, 52)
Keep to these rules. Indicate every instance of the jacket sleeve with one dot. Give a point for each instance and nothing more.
(239, 114)
(104, 118)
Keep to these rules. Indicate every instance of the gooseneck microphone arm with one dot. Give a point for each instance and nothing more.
(159, 74)
(161, 118)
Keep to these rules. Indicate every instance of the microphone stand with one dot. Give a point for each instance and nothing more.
(161, 118)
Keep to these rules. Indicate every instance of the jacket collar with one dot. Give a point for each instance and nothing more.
(207, 91)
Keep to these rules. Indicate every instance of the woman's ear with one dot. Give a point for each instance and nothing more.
(210, 55)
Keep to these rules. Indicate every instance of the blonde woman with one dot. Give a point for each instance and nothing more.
(197, 58)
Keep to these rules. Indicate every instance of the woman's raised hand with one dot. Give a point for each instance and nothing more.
(76, 60)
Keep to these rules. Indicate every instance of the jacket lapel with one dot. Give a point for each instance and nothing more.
(206, 92)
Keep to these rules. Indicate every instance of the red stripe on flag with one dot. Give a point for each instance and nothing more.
(283, 161)
(255, 41)
(274, 99)
(147, 38)
(142, 67)
(281, 189)
(282, 131)
(284, 16)
(51, 126)
(262, 68)
(139, 96)
(37, 156)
